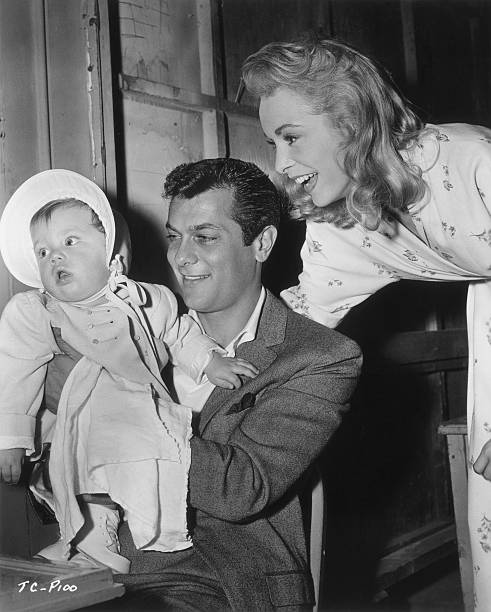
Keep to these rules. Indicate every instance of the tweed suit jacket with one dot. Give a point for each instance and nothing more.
(253, 446)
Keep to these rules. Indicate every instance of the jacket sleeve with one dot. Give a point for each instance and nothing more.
(188, 347)
(337, 274)
(24, 353)
(274, 441)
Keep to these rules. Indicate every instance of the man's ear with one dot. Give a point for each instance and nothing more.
(264, 242)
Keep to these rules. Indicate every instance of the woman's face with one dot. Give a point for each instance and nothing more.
(308, 147)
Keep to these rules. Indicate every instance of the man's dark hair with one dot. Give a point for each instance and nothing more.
(256, 201)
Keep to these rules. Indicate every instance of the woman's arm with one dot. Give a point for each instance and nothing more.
(338, 274)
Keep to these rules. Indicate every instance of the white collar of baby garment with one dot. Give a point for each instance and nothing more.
(248, 332)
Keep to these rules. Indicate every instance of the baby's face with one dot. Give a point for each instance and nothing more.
(71, 254)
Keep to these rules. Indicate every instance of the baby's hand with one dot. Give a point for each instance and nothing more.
(482, 465)
(11, 464)
(225, 371)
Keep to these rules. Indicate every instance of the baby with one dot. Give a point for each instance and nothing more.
(118, 441)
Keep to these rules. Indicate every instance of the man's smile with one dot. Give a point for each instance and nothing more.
(194, 277)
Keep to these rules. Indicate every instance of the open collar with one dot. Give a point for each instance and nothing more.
(260, 351)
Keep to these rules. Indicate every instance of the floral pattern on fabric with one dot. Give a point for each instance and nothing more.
(446, 183)
(300, 303)
(383, 270)
(411, 255)
(444, 254)
(449, 229)
(315, 246)
(484, 532)
(484, 236)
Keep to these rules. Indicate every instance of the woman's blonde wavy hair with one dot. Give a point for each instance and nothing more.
(362, 102)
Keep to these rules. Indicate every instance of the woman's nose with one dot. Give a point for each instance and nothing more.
(282, 160)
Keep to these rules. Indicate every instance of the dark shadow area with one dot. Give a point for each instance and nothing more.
(386, 469)
(284, 264)
(116, 70)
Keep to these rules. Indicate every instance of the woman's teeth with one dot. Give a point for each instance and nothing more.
(300, 180)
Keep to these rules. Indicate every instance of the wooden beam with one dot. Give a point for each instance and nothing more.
(415, 556)
(159, 94)
(424, 346)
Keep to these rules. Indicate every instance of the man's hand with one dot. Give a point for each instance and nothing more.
(225, 371)
(482, 464)
(11, 464)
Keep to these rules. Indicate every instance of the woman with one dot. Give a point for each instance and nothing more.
(384, 198)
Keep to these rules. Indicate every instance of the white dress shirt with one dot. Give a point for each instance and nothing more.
(194, 395)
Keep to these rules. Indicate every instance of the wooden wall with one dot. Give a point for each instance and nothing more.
(55, 112)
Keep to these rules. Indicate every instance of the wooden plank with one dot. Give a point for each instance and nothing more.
(457, 451)
(455, 431)
(424, 346)
(401, 541)
(108, 144)
(41, 586)
(415, 556)
(456, 426)
(160, 94)
(409, 42)
(423, 367)
(211, 145)
(159, 41)
(205, 46)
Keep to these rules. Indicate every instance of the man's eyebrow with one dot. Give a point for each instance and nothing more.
(196, 228)
(284, 127)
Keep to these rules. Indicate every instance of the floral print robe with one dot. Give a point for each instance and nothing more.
(343, 267)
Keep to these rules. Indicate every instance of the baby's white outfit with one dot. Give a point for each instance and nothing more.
(117, 430)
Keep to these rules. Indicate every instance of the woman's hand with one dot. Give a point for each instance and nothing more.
(482, 465)
(11, 464)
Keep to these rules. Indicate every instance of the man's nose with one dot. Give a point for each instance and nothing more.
(185, 254)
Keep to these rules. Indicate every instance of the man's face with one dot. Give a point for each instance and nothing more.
(215, 271)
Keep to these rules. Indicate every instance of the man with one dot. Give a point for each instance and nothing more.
(252, 444)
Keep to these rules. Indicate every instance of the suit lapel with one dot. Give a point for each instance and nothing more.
(270, 332)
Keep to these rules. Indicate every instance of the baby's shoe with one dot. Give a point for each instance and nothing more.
(57, 552)
(98, 538)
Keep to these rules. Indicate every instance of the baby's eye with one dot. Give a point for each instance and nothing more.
(70, 241)
(42, 253)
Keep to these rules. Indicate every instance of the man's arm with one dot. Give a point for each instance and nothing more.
(272, 443)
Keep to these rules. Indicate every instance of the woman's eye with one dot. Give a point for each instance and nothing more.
(290, 139)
